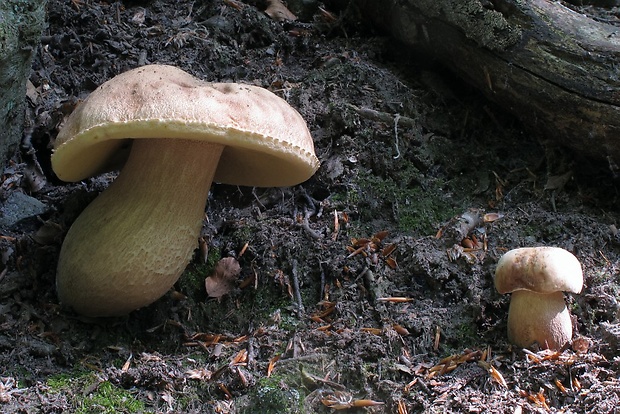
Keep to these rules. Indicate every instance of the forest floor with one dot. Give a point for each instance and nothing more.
(406, 150)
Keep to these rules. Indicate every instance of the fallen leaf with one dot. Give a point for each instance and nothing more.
(198, 374)
(222, 281)
(491, 217)
(557, 182)
(272, 364)
(278, 11)
(48, 234)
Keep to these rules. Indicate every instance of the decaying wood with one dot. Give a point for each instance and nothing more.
(554, 68)
(21, 23)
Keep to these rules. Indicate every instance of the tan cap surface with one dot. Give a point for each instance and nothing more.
(267, 142)
(539, 269)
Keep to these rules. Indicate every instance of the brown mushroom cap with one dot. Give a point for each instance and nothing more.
(539, 269)
(266, 141)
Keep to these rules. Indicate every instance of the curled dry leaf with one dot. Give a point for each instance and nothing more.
(199, 374)
(491, 217)
(581, 345)
(278, 11)
(557, 182)
(272, 364)
(222, 281)
(401, 330)
(48, 234)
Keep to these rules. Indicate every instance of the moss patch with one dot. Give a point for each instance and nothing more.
(96, 397)
(411, 207)
(273, 395)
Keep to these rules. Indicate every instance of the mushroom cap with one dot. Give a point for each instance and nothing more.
(538, 269)
(267, 142)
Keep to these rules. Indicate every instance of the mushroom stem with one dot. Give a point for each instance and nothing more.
(131, 244)
(538, 317)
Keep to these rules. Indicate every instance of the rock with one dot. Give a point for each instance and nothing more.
(611, 334)
(19, 206)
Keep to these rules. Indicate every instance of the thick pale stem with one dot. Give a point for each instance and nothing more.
(131, 244)
(542, 318)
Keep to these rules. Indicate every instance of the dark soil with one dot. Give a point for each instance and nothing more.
(406, 149)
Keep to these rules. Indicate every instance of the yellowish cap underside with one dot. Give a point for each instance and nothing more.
(266, 141)
(248, 159)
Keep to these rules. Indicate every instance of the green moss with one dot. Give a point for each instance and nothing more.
(213, 257)
(192, 282)
(268, 300)
(467, 333)
(104, 397)
(400, 199)
(110, 399)
(553, 231)
(530, 230)
(289, 323)
(60, 381)
(275, 395)
(243, 233)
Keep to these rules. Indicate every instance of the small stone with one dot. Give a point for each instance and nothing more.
(19, 206)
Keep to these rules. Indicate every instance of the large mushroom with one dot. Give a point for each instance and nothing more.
(131, 244)
(537, 276)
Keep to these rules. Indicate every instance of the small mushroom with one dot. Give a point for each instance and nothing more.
(131, 244)
(537, 276)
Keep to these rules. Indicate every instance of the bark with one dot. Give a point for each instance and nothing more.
(21, 23)
(554, 68)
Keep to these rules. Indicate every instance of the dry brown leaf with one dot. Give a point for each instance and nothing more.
(272, 365)
(400, 330)
(198, 374)
(491, 217)
(278, 11)
(222, 281)
(35, 177)
(48, 234)
(557, 182)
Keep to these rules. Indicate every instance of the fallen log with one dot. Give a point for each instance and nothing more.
(21, 23)
(554, 68)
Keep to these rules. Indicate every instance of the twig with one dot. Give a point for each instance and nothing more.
(396, 119)
(256, 197)
(305, 224)
(383, 116)
(322, 291)
(296, 291)
(251, 352)
(309, 200)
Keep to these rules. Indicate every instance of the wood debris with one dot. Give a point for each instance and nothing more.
(482, 358)
(342, 400)
(373, 249)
